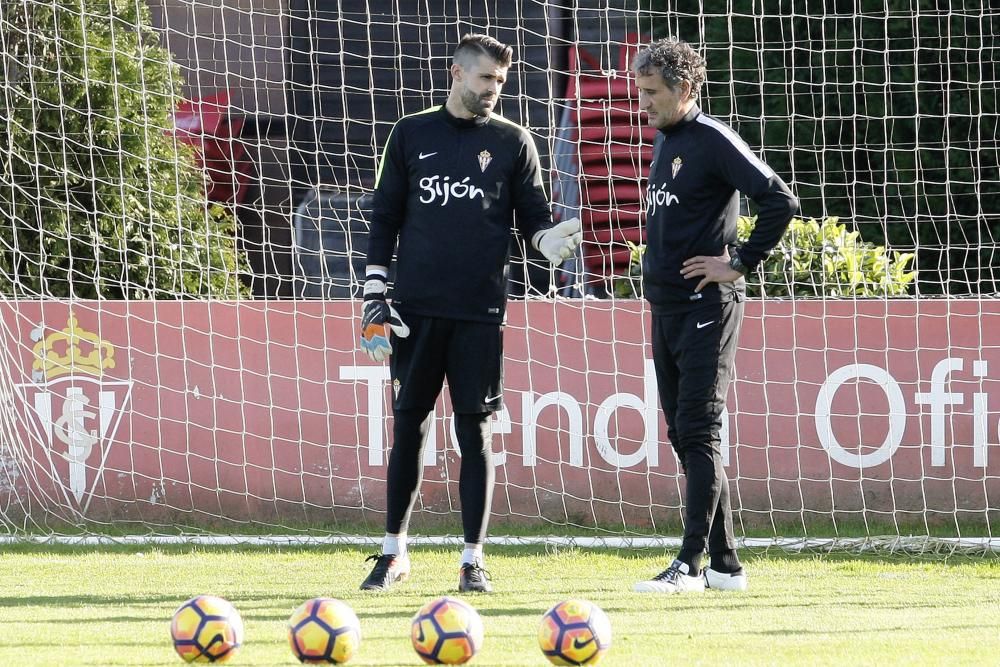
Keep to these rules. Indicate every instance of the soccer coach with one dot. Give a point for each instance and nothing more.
(693, 277)
(450, 180)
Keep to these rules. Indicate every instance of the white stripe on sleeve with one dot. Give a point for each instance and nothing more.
(737, 143)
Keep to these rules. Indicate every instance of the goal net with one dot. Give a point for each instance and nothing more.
(184, 188)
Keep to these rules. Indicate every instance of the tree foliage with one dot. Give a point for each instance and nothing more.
(885, 114)
(97, 198)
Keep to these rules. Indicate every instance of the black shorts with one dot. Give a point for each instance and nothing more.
(468, 354)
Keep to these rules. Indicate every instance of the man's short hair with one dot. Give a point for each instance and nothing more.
(474, 45)
(675, 60)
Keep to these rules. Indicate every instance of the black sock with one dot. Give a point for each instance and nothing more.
(726, 561)
(693, 560)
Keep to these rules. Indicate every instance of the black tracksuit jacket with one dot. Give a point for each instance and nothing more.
(447, 189)
(700, 166)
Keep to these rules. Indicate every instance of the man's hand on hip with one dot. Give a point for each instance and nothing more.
(710, 269)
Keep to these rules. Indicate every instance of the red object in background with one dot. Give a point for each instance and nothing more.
(208, 124)
(615, 149)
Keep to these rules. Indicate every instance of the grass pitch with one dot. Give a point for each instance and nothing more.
(112, 605)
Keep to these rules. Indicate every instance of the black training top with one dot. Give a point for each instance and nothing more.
(700, 166)
(447, 189)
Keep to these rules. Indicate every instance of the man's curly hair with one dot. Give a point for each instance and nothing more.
(675, 60)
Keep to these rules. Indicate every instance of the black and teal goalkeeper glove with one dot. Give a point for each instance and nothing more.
(378, 318)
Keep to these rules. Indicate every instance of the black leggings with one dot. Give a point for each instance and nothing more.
(476, 477)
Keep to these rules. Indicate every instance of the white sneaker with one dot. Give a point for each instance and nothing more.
(675, 579)
(725, 581)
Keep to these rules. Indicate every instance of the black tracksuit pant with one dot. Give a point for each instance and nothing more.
(693, 351)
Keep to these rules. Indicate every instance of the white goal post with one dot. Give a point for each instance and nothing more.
(859, 418)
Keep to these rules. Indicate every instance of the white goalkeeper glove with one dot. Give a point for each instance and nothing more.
(559, 242)
(377, 319)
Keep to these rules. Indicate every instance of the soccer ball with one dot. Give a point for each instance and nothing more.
(446, 631)
(324, 631)
(574, 632)
(206, 629)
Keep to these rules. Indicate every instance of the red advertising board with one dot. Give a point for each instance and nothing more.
(265, 411)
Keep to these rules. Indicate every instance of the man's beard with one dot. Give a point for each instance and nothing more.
(473, 103)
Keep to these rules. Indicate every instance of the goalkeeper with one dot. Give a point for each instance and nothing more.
(448, 185)
(693, 276)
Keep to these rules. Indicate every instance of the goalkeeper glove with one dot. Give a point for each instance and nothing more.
(377, 319)
(559, 242)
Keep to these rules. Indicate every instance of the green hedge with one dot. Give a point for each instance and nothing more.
(812, 259)
(825, 259)
(97, 200)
